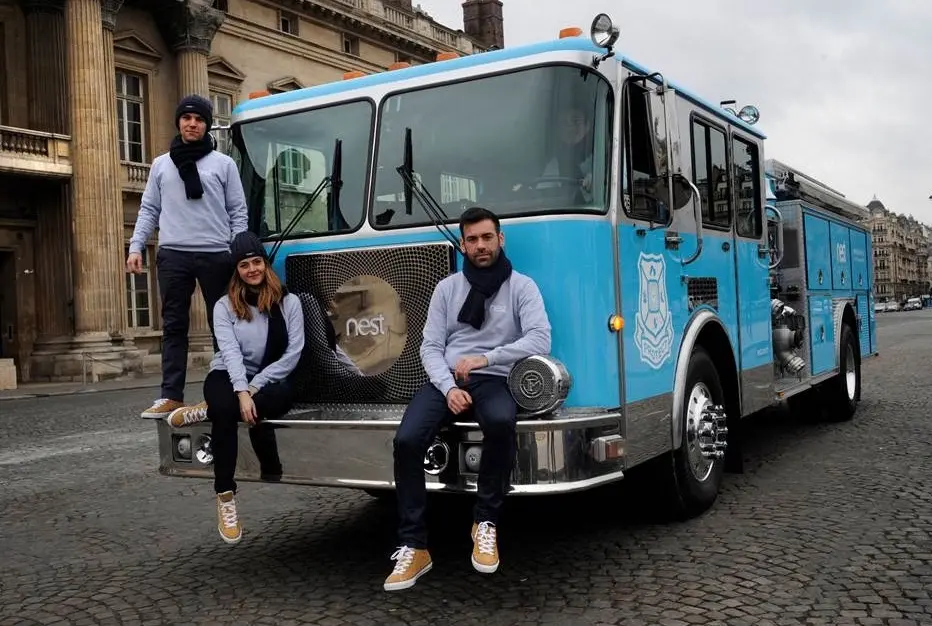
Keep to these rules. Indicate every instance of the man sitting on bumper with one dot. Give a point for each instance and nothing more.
(481, 321)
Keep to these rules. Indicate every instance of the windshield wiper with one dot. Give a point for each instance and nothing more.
(335, 221)
(326, 181)
(430, 205)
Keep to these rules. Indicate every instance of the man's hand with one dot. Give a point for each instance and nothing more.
(247, 407)
(468, 364)
(458, 400)
(134, 263)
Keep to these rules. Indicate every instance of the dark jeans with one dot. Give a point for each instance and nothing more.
(495, 411)
(177, 272)
(272, 401)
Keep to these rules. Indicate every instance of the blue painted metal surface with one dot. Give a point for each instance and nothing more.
(864, 332)
(754, 306)
(821, 334)
(841, 257)
(860, 276)
(570, 44)
(818, 253)
(571, 262)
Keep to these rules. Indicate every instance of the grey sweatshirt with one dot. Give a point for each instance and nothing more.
(516, 325)
(207, 224)
(242, 344)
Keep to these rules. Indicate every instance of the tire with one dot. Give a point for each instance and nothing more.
(690, 481)
(843, 392)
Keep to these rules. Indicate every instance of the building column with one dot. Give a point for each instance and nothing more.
(189, 28)
(45, 41)
(96, 206)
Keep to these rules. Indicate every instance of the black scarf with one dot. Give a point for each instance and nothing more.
(185, 157)
(277, 341)
(484, 283)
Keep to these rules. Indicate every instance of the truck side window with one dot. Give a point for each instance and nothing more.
(747, 188)
(710, 174)
(640, 183)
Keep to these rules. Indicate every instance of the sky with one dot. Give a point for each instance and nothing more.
(843, 86)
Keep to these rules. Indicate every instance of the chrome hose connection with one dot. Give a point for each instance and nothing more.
(788, 336)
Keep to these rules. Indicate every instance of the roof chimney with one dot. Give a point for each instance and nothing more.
(484, 22)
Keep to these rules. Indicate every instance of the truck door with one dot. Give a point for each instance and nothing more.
(755, 363)
(650, 253)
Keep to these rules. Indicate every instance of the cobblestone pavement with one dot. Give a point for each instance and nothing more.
(830, 523)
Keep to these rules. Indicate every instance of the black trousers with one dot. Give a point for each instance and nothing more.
(272, 401)
(178, 271)
(495, 410)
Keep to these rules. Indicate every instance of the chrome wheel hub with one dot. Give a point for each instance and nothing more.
(851, 380)
(706, 433)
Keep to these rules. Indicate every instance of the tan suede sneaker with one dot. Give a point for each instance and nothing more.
(227, 521)
(162, 408)
(410, 564)
(485, 547)
(188, 415)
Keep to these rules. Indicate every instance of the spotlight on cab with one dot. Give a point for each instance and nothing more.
(603, 32)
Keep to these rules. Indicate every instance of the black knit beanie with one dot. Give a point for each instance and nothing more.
(195, 104)
(245, 245)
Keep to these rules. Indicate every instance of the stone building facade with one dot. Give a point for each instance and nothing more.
(88, 90)
(901, 254)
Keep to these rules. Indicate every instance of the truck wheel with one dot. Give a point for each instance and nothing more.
(694, 480)
(843, 392)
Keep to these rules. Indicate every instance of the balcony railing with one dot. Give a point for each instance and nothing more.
(135, 176)
(416, 23)
(24, 151)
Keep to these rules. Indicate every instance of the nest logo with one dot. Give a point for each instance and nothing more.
(370, 323)
(366, 326)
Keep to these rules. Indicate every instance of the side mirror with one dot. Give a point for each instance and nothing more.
(682, 191)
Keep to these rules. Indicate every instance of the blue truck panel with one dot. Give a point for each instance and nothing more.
(821, 334)
(860, 276)
(818, 255)
(864, 327)
(841, 257)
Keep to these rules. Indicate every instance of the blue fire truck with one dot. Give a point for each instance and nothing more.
(689, 283)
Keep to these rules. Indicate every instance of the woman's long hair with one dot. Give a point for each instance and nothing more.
(269, 293)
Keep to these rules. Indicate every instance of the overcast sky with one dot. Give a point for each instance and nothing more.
(843, 86)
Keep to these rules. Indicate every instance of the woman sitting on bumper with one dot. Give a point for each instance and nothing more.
(259, 328)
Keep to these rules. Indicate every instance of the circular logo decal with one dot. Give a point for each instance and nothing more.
(532, 384)
(370, 325)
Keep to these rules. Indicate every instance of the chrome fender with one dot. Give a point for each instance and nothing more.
(693, 327)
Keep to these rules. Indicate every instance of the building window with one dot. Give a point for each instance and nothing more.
(137, 295)
(3, 95)
(130, 117)
(288, 23)
(223, 112)
(351, 45)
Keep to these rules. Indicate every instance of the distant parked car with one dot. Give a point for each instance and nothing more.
(913, 304)
(880, 307)
(893, 306)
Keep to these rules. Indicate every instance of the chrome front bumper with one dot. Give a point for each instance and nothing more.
(351, 446)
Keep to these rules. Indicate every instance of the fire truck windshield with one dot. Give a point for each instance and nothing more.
(282, 160)
(525, 142)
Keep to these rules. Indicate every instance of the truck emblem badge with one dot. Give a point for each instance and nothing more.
(653, 334)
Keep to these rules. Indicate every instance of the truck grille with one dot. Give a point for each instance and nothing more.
(412, 271)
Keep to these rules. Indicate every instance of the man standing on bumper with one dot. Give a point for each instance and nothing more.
(195, 197)
(480, 322)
